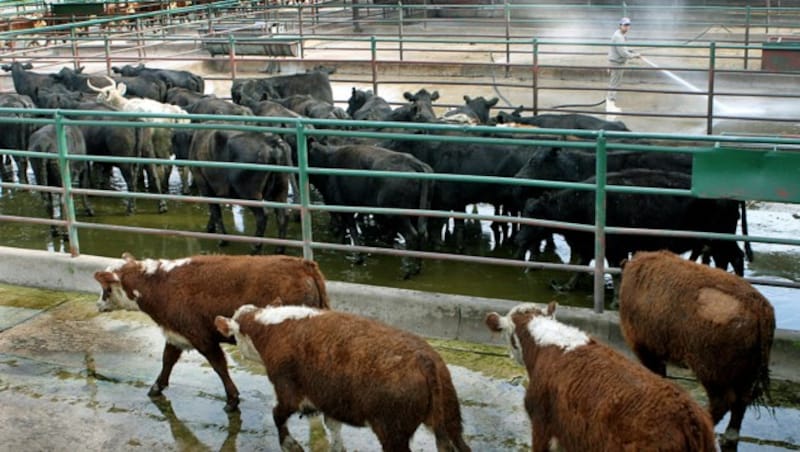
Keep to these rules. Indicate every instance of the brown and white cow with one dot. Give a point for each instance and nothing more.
(711, 321)
(583, 395)
(353, 370)
(184, 296)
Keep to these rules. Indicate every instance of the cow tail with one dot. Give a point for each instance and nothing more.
(444, 414)
(322, 292)
(748, 250)
(766, 333)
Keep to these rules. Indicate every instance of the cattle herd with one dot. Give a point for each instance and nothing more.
(165, 96)
(581, 394)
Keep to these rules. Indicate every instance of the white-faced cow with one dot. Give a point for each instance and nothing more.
(352, 369)
(582, 395)
(713, 322)
(183, 297)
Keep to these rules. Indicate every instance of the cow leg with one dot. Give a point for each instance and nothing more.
(216, 357)
(282, 220)
(391, 437)
(85, 180)
(168, 360)
(155, 185)
(411, 265)
(284, 409)
(261, 226)
(730, 439)
(215, 224)
(129, 172)
(541, 443)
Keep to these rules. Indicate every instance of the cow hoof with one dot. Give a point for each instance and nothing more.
(232, 406)
(89, 212)
(155, 390)
(162, 207)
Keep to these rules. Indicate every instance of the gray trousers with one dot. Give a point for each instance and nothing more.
(615, 79)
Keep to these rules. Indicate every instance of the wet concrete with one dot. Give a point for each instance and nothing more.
(70, 377)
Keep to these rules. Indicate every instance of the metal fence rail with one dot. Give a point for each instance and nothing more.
(600, 142)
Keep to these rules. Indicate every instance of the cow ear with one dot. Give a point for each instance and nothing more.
(551, 309)
(128, 257)
(493, 322)
(224, 325)
(106, 278)
(466, 98)
(122, 88)
(408, 96)
(435, 95)
(623, 263)
(492, 102)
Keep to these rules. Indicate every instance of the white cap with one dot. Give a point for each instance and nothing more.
(625, 21)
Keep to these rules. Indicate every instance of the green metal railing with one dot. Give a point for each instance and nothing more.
(599, 142)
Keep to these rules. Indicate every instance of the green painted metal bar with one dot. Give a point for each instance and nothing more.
(305, 191)
(600, 223)
(712, 55)
(67, 200)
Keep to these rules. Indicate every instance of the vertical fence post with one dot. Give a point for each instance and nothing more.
(300, 31)
(535, 78)
(76, 59)
(712, 48)
(600, 223)
(507, 8)
(400, 19)
(305, 194)
(232, 55)
(373, 47)
(67, 203)
(747, 25)
(107, 49)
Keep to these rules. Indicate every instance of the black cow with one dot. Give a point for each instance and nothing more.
(498, 160)
(652, 211)
(115, 141)
(216, 106)
(58, 96)
(375, 191)
(474, 111)
(311, 107)
(241, 147)
(138, 86)
(47, 169)
(572, 165)
(15, 134)
(171, 78)
(566, 121)
(366, 106)
(26, 81)
(183, 97)
(315, 83)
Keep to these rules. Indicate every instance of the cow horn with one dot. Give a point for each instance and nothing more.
(92, 87)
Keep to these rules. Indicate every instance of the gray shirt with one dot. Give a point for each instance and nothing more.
(619, 54)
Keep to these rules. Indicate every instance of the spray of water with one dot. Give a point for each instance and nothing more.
(719, 106)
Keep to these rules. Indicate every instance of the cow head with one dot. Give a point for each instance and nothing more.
(229, 327)
(422, 105)
(114, 296)
(112, 94)
(519, 315)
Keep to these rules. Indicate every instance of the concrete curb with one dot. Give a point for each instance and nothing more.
(426, 313)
